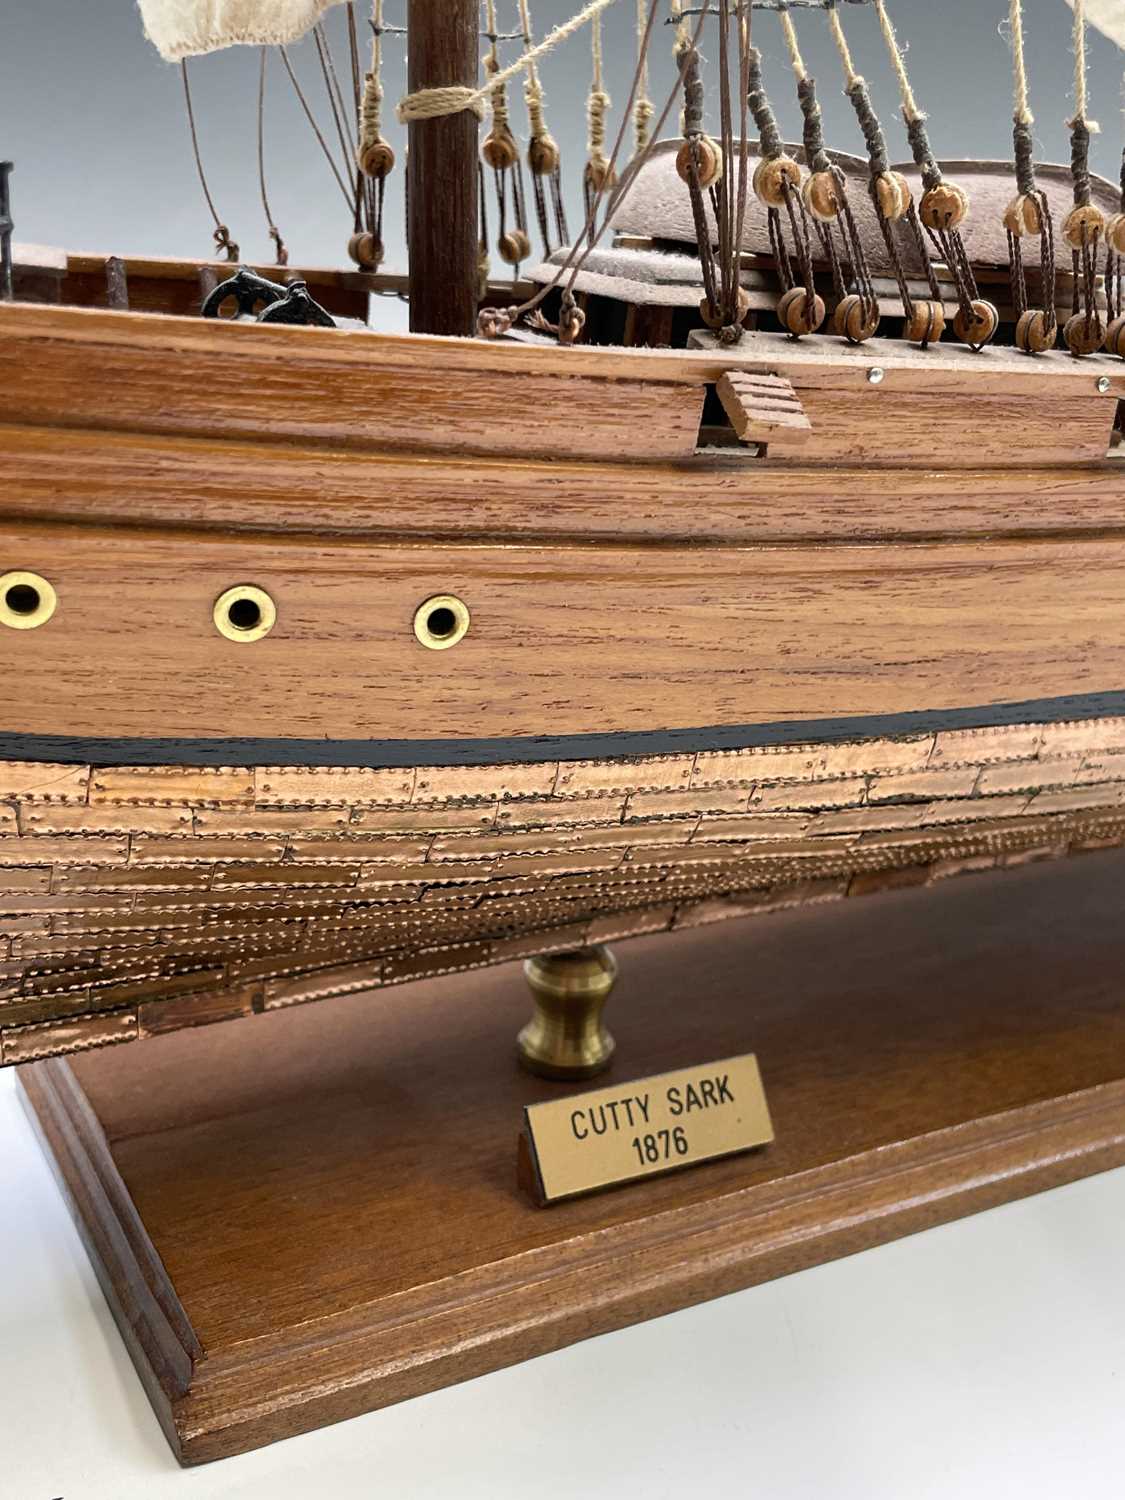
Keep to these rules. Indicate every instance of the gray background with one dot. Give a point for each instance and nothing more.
(95, 121)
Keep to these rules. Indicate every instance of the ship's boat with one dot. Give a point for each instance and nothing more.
(769, 548)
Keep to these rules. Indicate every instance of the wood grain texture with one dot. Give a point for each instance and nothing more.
(132, 479)
(947, 368)
(333, 1203)
(186, 375)
(126, 371)
(442, 215)
(564, 638)
(965, 416)
(764, 409)
(355, 477)
(977, 428)
(161, 1341)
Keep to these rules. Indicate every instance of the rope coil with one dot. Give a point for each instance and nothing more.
(643, 109)
(429, 104)
(533, 94)
(769, 136)
(598, 171)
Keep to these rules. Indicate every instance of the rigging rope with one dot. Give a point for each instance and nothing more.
(777, 180)
(1114, 287)
(679, 21)
(1023, 115)
(374, 155)
(311, 118)
(493, 322)
(598, 102)
(282, 254)
(501, 153)
(682, 39)
(707, 168)
(851, 77)
(497, 92)
(825, 195)
(222, 237)
(943, 207)
(1082, 228)
(1028, 212)
(1079, 41)
(543, 157)
(910, 108)
(332, 89)
(532, 86)
(789, 32)
(644, 108)
(699, 168)
(890, 195)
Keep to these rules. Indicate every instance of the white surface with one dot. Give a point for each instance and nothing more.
(980, 1359)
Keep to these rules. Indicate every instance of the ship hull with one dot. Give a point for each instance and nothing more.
(135, 899)
(700, 680)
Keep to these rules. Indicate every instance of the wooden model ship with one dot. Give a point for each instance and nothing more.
(767, 550)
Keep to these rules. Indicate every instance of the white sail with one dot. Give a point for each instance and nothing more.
(1108, 16)
(186, 28)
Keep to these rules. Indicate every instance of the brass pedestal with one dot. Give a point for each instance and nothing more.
(565, 1038)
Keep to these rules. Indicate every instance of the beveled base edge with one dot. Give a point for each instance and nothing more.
(497, 1315)
(148, 1313)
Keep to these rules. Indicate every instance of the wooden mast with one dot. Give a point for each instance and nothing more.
(443, 43)
(6, 227)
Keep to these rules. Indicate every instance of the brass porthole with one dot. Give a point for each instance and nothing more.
(441, 622)
(244, 613)
(26, 600)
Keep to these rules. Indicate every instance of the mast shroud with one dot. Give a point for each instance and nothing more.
(442, 213)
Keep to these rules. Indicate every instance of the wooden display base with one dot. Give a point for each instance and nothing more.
(313, 1213)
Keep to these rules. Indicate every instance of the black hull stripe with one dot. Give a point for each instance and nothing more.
(480, 752)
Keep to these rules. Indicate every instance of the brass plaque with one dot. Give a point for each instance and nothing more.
(614, 1135)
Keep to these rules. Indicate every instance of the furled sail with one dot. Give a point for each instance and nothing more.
(185, 28)
(1108, 16)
